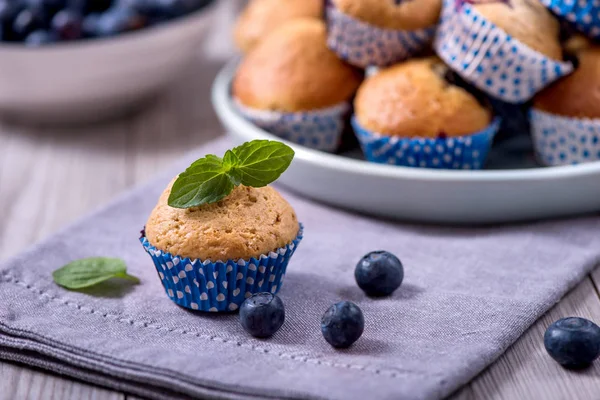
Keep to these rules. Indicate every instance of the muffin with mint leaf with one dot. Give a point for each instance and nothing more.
(219, 234)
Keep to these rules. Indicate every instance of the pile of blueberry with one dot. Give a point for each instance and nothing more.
(379, 273)
(39, 22)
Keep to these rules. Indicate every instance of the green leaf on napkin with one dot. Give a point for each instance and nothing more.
(88, 272)
(210, 179)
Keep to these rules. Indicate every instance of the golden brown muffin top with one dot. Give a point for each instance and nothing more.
(406, 15)
(528, 21)
(413, 99)
(576, 95)
(262, 16)
(293, 70)
(247, 223)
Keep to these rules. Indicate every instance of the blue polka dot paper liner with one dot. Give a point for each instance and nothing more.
(220, 286)
(363, 45)
(559, 140)
(462, 152)
(489, 58)
(318, 129)
(583, 15)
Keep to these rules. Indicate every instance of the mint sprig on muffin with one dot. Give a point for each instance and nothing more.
(219, 233)
(211, 178)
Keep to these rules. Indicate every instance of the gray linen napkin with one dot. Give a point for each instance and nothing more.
(468, 294)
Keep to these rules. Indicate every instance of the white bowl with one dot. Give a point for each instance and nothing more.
(418, 194)
(98, 78)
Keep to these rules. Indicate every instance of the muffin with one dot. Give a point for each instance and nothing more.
(212, 257)
(263, 16)
(410, 115)
(380, 32)
(583, 16)
(293, 86)
(509, 49)
(565, 118)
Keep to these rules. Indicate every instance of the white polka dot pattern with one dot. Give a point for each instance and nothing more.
(463, 152)
(318, 129)
(217, 286)
(490, 59)
(362, 44)
(562, 140)
(582, 15)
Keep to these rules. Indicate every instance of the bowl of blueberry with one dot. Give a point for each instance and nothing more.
(76, 60)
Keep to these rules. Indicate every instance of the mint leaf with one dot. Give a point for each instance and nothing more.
(87, 272)
(261, 162)
(210, 179)
(205, 181)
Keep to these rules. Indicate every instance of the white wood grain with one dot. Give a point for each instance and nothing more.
(18, 383)
(526, 371)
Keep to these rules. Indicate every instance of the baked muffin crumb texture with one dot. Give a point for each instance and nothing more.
(247, 223)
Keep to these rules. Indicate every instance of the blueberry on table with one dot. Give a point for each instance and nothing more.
(39, 38)
(342, 324)
(573, 342)
(379, 273)
(262, 314)
(67, 25)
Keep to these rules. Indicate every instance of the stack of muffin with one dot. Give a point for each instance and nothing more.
(442, 74)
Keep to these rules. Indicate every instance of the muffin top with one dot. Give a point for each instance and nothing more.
(413, 99)
(576, 95)
(247, 223)
(397, 15)
(262, 16)
(528, 21)
(293, 70)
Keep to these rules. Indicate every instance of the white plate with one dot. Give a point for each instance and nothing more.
(439, 196)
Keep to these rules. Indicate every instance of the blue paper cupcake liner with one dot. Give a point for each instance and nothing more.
(318, 129)
(559, 140)
(362, 44)
(462, 152)
(489, 58)
(582, 15)
(220, 286)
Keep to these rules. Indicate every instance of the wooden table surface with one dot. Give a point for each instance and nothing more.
(51, 176)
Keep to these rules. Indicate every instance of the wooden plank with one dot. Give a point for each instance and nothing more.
(526, 371)
(26, 384)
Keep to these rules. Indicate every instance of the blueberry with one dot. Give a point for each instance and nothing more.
(39, 38)
(8, 11)
(379, 273)
(342, 324)
(262, 314)
(118, 20)
(26, 22)
(67, 25)
(573, 342)
(89, 26)
(165, 8)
